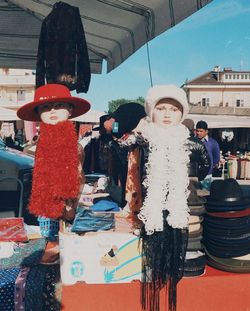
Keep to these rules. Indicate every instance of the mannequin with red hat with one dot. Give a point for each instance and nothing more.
(57, 175)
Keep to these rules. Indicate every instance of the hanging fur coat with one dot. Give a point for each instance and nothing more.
(62, 55)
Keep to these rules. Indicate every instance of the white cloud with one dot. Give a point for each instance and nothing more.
(229, 42)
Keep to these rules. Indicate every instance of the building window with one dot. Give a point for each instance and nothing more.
(245, 76)
(226, 76)
(239, 103)
(234, 76)
(242, 76)
(238, 76)
(230, 76)
(20, 94)
(205, 102)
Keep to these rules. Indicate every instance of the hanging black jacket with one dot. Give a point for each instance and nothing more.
(199, 159)
(62, 55)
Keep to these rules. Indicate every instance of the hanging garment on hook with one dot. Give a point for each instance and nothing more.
(62, 55)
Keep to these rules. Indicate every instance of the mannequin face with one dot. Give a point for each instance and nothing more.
(167, 112)
(52, 113)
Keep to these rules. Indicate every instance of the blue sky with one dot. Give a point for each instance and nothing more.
(218, 34)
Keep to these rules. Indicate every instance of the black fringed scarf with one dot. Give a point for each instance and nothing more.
(162, 265)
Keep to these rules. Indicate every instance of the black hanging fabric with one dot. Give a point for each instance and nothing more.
(162, 265)
(62, 55)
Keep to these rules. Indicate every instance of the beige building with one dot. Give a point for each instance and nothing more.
(222, 99)
(16, 87)
(220, 88)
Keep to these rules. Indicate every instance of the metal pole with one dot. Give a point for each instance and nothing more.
(149, 66)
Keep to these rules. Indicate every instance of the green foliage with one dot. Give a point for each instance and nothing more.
(114, 104)
(140, 100)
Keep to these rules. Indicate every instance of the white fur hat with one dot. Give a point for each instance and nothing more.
(158, 92)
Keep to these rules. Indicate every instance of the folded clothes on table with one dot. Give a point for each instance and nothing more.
(105, 206)
(25, 254)
(87, 220)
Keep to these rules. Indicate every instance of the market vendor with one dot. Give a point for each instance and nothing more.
(213, 150)
(57, 175)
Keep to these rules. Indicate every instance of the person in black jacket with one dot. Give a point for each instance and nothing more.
(62, 55)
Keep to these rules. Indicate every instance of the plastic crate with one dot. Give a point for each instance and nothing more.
(49, 227)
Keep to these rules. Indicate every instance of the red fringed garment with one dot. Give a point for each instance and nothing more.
(55, 175)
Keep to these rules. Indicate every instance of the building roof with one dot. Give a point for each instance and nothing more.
(211, 78)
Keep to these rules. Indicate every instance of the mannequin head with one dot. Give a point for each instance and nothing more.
(53, 99)
(166, 105)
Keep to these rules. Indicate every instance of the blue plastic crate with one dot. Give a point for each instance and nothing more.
(49, 227)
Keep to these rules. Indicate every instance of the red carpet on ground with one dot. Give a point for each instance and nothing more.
(214, 291)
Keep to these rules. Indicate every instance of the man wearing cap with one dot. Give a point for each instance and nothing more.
(213, 150)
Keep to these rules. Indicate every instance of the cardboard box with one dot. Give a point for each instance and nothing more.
(99, 257)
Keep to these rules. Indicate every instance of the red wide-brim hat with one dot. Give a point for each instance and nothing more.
(52, 93)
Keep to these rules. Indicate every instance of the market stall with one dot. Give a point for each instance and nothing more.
(95, 240)
(232, 132)
(215, 290)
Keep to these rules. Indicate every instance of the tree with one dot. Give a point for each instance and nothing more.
(114, 104)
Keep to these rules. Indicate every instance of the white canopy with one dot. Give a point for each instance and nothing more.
(8, 115)
(91, 116)
(222, 121)
(114, 29)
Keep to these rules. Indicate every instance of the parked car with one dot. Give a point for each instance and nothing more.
(15, 183)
